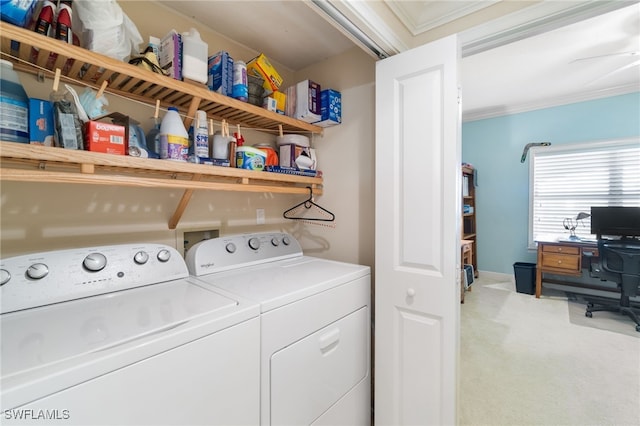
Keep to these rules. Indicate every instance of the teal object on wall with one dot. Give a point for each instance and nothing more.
(494, 147)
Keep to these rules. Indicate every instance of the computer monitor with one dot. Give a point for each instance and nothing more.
(615, 221)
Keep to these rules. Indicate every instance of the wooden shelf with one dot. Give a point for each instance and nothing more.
(469, 219)
(91, 69)
(35, 163)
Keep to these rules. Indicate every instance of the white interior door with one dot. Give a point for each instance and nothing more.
(417, 294)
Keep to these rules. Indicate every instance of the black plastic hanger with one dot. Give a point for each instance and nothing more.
(323, 215)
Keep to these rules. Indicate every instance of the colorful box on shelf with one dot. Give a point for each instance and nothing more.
(17, 12)
(330, 108)
(171, 54)
(307, 106)
(261, 67)
(220, 73)
(281, 101)
(40, 122)
(110, 138)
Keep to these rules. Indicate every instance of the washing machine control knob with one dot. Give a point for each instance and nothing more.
(141, 257)
(275, 242)
(286, 241)
(254, 243)
(164, 255)
(95, 262)
(231, 248)
(37, 271)
(5, 276)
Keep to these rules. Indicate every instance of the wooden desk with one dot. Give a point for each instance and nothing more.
(562, 257)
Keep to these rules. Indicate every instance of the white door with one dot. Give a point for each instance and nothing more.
(417, 293)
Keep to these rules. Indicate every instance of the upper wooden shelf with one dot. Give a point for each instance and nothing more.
(92, 69)
(33, 163)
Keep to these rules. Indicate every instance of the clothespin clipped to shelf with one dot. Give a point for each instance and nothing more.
(224, 128)
(239, 138)
(210, 131)
(156, 113)
(281, 133)
(56, 80)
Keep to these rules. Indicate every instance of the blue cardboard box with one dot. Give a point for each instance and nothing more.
(220, 70)
(40, 122)
(330, 108)
(17, 12)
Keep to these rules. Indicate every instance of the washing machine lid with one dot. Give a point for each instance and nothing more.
(81, 339)
(282, 282)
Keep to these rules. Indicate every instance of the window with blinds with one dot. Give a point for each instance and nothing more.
(567, 180)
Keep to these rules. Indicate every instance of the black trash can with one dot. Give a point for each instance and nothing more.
(525, 277)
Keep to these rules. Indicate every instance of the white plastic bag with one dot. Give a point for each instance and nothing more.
(106, 29)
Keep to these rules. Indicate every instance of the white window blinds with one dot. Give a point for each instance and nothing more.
(567, 180)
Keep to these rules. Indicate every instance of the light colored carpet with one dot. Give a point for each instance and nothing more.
(528, 361)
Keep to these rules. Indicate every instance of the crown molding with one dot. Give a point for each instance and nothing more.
(536, 19)
(416, 28)
(482, 114)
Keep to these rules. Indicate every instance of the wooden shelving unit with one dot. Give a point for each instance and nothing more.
(469, 218)
(92, 69)
(32, 163)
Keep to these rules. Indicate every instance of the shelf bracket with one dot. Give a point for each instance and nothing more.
(191, 113)
(182, 205)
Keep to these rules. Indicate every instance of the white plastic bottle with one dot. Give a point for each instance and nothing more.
(201, 135)
(14, 106)
(174, 139)
(194, 56)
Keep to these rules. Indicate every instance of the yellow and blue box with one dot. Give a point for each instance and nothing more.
(281, 101)
(261, 67)
(330, 108)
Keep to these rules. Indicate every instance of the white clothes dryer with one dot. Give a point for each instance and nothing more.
(315, 325)
(122, 335)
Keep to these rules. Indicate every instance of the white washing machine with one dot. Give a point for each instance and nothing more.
(315, 325)
(122, 335)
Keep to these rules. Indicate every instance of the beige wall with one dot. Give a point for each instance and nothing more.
(39, 216)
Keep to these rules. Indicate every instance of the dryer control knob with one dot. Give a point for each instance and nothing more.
(231, 248)
(254, 243)
(5, 276)
(286, 241)
(95, 262)
(37, 271)
(275, 242)
(164, 255)
(141, 257)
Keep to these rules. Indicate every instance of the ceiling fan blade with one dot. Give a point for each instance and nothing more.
(617, 70)
(633, 53)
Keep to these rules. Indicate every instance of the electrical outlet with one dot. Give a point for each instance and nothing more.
(195, 236)
(260, 216)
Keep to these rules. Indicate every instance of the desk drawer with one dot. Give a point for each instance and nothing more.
(565, 262)
(561, 249)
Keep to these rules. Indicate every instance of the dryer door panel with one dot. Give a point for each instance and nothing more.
(311, 375)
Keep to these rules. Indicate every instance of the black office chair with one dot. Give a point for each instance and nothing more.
(620, 262)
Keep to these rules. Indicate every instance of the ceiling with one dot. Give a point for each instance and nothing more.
(593, 57)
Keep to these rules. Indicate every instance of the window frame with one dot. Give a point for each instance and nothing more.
(563, 149)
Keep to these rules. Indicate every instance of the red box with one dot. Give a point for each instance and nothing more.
(105, 137)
